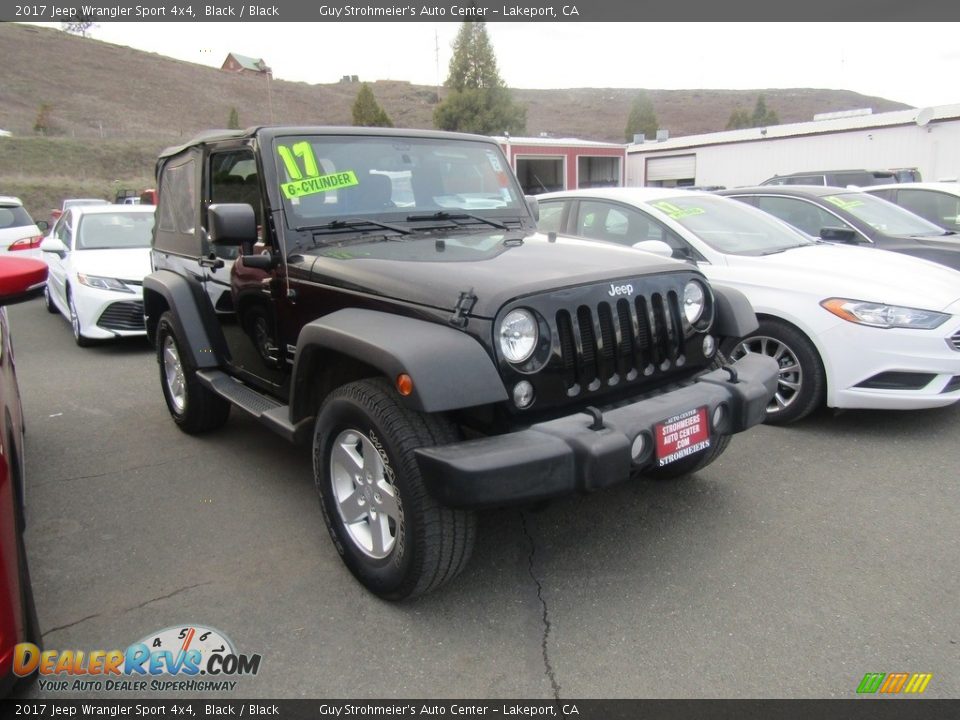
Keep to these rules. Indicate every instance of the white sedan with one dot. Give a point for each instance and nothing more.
(851, 327)
(98, 256)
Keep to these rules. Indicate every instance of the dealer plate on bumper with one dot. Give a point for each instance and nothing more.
(681, 435)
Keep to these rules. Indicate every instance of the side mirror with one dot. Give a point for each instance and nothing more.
(534, 205)
(232, 225)
(53, 245)
(838, 235)
(42, 225)
(657, 247)
(21, 279)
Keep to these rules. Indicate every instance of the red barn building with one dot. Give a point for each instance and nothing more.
(246, 65)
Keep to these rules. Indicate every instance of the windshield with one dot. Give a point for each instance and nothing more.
(327, 178)
(729, 226)
(107, 231)
(882, 215)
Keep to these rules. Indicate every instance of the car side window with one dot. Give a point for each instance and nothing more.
(937, 207)
(803, 215)
(62, 230)
(234, 179)
(626, 226)
(551, 213)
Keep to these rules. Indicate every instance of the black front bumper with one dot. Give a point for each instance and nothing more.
(566, 455)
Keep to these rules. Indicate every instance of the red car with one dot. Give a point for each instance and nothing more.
(20, 279)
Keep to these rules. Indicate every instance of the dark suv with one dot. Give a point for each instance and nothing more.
(385, 295)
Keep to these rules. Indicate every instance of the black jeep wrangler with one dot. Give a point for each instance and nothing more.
(385, 295)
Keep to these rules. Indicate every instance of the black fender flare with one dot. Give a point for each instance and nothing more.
(449, 368)
(735, 316)
(194, 319)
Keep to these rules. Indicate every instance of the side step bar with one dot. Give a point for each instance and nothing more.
(271, 413)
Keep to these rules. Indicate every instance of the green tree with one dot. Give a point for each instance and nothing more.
(642, 118)
(367, 111)
(761, 116)
(478, 101)
(43, 124)
(234, 122)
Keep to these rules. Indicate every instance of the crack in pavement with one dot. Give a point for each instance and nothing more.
(113, 472)
(548, 668)
(126, 610)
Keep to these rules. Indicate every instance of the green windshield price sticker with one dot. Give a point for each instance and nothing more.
(319, 184)
(675, 212)
(843, 204)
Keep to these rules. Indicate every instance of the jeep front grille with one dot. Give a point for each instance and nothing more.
(619, 340)
(127, 315)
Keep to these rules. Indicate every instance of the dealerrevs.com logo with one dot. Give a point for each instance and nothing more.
(178, 658)
(894, 683)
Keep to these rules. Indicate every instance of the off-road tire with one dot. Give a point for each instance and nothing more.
(197, 409)
(431, 543)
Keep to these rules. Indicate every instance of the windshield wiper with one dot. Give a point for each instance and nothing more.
(441, 215)
(353, 224)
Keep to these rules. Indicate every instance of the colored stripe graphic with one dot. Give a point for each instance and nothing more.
(893, 683)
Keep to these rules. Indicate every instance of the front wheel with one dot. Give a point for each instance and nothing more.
(193, 407)
(48, 301)
(801, 382)
(75, 323)
(396, 539)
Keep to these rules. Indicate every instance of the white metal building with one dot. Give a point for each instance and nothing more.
(927, 139)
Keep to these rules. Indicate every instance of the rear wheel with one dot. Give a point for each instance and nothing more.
(801, 383)
(194, 408)
(395, 538)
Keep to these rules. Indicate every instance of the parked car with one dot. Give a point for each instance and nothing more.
(18, 231)
(853, 216)
(845, 178)
(98, 256)
(75, 202)
(383, 293)
(20, 279)
(851, 327)
(938, 202)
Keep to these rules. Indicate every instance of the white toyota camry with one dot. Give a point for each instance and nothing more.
(851, 327)
(98, 256)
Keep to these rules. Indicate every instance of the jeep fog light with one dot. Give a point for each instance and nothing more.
(709, 346)
(719, 415)
(638, 447)
(518, 335)
(523, 394)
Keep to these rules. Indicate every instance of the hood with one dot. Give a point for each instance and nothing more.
(126, 264)
(858, 273)
(942, 249)
(496, 266)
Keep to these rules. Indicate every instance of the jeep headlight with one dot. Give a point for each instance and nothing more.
(694, 301)
(884, 316)
(518, 335)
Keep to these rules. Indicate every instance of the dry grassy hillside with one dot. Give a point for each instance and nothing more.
(112, 108)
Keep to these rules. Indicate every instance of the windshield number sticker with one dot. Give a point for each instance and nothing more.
(309, 181)
(675, 212)
(319, 184)
(843, 204)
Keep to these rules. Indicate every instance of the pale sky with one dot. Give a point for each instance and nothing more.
(914, 63)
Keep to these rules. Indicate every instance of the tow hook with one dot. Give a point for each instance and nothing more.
(597, 416)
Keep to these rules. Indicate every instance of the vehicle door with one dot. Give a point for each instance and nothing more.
(57, 277)
(625, 225)
(243, 297)
(804, 215)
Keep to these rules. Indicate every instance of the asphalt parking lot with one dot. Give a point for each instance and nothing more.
(804, 558)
